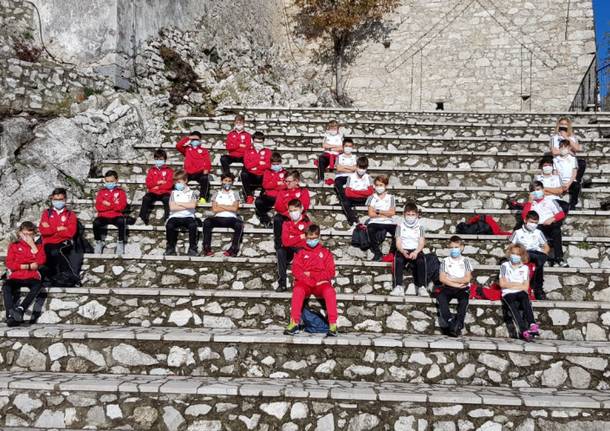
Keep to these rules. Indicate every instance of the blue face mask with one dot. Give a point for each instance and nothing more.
(179, 186)
(195, 143)
(455, 252)
(110, 186)
(159, 163)
(515, 259)
(227, 186)
(313, 242)
(537, 194)
(58, 205)
(276, 168)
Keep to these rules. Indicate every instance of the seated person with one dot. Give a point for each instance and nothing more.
(237, 143)
(566, 166)
(332, 144)
(293, 239)
(256, 161)
(197, 163)
(358, 188)
(110, 203)
(274, 180)
(182, 204)
(410, 243)
(159, 185)
(381, 210)
(292, 191)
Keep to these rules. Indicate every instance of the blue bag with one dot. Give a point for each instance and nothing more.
(313, 321)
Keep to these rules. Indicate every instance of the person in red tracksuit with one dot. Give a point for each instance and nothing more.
(237, 143)
(292, 191)
(23, 260)
(273, 182)
(293, 239)
(110, 203)
(57, 228)
(197, 163)
(159, 186)
(256, 161)
(313, 270)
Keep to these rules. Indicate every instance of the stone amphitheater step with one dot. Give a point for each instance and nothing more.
(404, 141)
(256, 309)
(580, 252)
(203, 403)
(389, 357)
(443, 196)
(385, 127)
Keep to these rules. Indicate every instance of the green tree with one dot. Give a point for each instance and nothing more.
(342, 26)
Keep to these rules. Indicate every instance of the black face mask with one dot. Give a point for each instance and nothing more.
(563, 129)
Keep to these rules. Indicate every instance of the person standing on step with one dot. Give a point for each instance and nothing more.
(566, 166)
(182, 205)
(159, 186)
(455, 275)
(313, 270)
(237, 143)
(332, 145)
(410, 243)
(550, 220)
(292, 191)
(225, 206)
(381, 210)
(23, 260)
(57, 228)
(197, 163)
(345, 166)
(274, 181)
(534, 241)
(293, 238)
(551, 182)
(356, 191)
(514, 281)
(564, 130)
(110, 203)
(256, 161)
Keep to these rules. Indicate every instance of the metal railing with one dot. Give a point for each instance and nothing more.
(587, 96)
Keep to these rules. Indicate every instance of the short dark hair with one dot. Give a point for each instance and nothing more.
(196, 133)
(564, 143)
(544, 161)
(160, 154)
(535, 184)
(294, 174)
(348, 141)
(276, 157)
(362, 162)
(532, 215)
(456, 239)
(411, 206)
(111, 173)
(239, 117)
(295, 203)
(313, 229)
(258, 135)
(382, 179)
(227, 175)
(27, 225)
(59, 191)
(180, 175)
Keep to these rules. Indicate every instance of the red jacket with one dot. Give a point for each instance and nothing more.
(273, 182)
(292, 231)
(19, 253)
(284, 196)
(117, 199)
(359, 194)
(237, 143)
(154, 175)
(257, 162)
(50, 235)
(196, 160)
(318, 261)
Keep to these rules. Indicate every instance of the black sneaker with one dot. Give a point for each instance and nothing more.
(170, 252)
(562, 263)
(377, 257)
(193, 252)
(291, 329)
(11, 323)
(332, 331)
(17, 314)
(281, 288)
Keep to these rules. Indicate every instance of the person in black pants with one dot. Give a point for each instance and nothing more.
(381, 210)
(455, 275)
(159, 185)
(182, 204)
(273, 181)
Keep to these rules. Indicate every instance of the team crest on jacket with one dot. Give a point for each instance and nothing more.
(63, 218)
(199, 151)
(321, 255)
(301, 226)
(163, 173)
(298, 195)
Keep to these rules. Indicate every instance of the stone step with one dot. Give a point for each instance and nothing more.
(403, 175)
(202, 403)
(256, 309)
(405, 141)
(427, 359)
(579, 252)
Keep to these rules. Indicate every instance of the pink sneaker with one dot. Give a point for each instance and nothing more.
(526, 336)
(534, 329)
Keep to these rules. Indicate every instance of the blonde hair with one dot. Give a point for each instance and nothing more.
(567, 120)
(520, 250)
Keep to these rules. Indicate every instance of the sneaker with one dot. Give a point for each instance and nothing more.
(526, 336)
(291, 329)
(377, 257)
(120, 248)
(452, 332)
(170, 252)
(207, 252)
(229, 253)
(562, 263)
(332, 330)
(539, 295)
(249, 199)
(11, 323)
(202, 201)
(329, 182)
(99, 247)
(17, 314)
(192, 252)
(534, 330)
(388, 258)
(411, 290)
(398, 291)
(550, 262)
(267, 224)
(143, 221)
(281, 288)
(422, 291)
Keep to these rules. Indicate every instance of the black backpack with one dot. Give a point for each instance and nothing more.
(360, 237)
(479, 227)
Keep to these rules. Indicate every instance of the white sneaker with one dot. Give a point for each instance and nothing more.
(411, 290)
(398, 291)
(120, 248)
(422, 291)
(99, 247)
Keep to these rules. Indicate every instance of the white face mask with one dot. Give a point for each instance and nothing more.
(410, 220)
(361, 172)
(258, 146)
(547, 170)
(295, 215)
(379, 190)
(531, 226)
(333, 132)
(564, 151)
(239, 127)
(347, 150)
